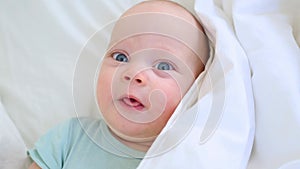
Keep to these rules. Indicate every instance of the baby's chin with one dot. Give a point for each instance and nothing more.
(129, 130)
(132, 137)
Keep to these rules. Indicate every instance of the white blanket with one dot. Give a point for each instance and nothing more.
(269, 32)
(251, 82)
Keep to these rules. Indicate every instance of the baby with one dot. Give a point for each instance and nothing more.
(156, 51)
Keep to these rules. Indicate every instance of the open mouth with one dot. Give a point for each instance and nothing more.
(133, 102)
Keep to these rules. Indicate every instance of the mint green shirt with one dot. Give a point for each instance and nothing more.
(83, 143)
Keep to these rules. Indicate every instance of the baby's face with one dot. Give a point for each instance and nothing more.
(141, 81)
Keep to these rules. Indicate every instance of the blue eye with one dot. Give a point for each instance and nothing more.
(120, 57)
(164, 66)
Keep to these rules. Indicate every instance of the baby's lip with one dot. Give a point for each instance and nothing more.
(132, 101)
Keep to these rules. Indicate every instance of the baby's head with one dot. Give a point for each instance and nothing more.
(157, 50)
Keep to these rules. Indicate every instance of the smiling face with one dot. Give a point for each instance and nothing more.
(144, 76)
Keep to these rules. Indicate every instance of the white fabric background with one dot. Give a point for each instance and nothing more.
(40, 42)
(269, 32)
(13, 150)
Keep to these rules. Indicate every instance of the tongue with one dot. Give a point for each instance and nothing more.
(132, 102)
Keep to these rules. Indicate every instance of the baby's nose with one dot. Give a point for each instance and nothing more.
(139, 77)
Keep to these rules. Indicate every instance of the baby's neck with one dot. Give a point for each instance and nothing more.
(139, 144)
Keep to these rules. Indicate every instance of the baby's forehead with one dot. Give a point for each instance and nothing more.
(164, 7)
(160, 25)
(148, 41)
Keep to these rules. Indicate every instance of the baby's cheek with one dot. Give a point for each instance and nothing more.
(172, 103)
(104, 97)
(105, 79)
(104, 88)
(173, 98)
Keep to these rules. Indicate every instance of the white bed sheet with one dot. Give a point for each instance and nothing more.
(269, 33)
(40, 42)
(12, 147)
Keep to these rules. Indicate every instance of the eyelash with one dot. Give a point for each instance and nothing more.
(170, 65)
(114, 55)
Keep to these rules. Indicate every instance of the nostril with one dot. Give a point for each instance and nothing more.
(138, 80)
(127, 78)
